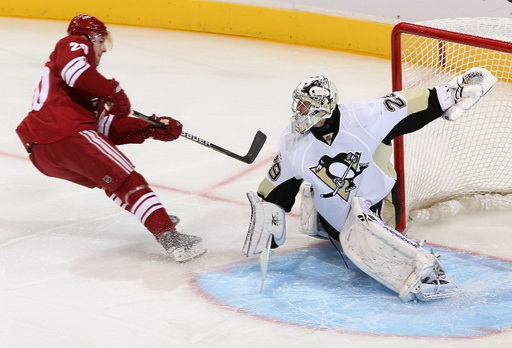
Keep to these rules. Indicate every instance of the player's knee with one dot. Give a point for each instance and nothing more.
(132, 183)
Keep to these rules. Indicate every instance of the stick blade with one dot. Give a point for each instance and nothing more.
(257, 144)
(264, 256)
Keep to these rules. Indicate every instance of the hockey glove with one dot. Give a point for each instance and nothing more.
(172, 132)
(267, 219)
(118, 101)
(467, 89)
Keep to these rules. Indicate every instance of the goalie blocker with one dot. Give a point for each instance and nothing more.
(395, 261)
(267, 220)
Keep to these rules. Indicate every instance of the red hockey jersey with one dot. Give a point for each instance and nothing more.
(62, 103)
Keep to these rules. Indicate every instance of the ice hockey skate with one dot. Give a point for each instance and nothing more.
(182, 247)
(175, 220)
(437, 285)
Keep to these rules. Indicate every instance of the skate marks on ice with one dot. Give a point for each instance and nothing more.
(313, 288)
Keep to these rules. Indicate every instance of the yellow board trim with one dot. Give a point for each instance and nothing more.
(287, 26)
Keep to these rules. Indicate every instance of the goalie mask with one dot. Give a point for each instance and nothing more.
(91, 27)
(314, 99)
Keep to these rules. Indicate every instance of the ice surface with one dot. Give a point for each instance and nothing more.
(77, 271)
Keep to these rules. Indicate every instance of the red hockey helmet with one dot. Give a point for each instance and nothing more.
(90, 26)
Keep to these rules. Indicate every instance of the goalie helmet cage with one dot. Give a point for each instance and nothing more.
(450, 167)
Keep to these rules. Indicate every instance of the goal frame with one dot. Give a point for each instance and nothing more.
(397, 85)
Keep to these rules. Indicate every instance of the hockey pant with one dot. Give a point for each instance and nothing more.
(90, 159)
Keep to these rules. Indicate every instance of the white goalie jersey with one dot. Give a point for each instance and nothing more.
(342, 166)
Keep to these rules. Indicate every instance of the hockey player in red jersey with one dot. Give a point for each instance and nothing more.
(79, 117)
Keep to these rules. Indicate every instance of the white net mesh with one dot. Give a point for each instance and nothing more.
(467, 162)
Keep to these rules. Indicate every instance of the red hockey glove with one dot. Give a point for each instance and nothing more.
(119, 103)
(172, 132)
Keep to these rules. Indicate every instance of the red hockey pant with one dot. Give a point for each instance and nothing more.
(90, 159)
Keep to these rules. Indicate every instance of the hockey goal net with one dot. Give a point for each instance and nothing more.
(451, 167)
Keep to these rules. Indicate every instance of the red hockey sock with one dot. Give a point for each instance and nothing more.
(136, 196)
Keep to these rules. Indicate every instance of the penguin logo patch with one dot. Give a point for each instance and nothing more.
(339, 172)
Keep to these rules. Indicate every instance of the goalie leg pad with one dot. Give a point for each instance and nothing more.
(309, 223)
(266, 219)
(395, 261)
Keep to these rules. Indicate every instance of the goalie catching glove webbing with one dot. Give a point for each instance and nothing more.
(466, 90)
(267, 219)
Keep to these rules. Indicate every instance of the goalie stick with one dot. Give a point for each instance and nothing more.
(264, 256)
(254, 150)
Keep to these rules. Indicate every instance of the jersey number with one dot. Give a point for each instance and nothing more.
(275, 170)
(42, 89)
(391, 102)
(75, 46)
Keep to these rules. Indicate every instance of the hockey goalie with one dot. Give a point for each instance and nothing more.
(338, 157)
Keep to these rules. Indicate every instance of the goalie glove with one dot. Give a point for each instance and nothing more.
(266, 219)
(466, 90)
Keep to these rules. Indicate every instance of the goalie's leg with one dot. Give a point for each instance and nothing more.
(392, 259)
(309, 219)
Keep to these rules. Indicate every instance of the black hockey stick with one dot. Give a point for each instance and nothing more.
(254, 150)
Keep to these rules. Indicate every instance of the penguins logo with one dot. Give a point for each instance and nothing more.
(339, 172)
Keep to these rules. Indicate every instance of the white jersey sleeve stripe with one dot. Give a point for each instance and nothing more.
(74, 69)
(104, 124)
(108, 150)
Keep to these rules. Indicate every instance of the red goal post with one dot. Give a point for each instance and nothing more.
(450, 167)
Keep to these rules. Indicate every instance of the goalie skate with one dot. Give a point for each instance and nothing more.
(182, 247)
(436, 285)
